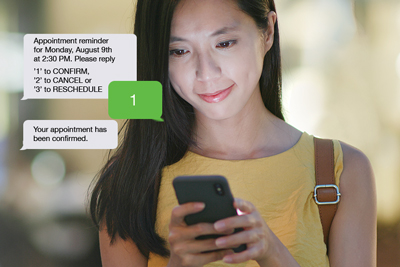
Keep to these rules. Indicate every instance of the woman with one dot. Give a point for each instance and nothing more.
(219, 64)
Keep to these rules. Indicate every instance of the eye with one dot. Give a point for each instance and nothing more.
(226, 44)
(178, 52)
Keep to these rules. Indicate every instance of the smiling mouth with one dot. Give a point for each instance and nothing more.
(217, 96)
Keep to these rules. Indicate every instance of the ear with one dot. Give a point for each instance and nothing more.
(269, 32)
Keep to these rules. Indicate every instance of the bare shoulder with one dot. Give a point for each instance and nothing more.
(352, 239)
(120, 252)
(357, 172)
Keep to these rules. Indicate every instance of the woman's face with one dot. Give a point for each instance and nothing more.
(216, 57)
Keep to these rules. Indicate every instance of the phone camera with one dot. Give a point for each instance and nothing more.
(219, 189)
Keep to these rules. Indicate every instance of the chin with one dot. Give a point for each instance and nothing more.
(216, 114)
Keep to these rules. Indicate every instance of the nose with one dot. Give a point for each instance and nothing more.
(207, 68)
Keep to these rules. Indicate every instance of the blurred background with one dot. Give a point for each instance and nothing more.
(341, 79)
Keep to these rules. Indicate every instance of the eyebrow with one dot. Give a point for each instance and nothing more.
(223, 30)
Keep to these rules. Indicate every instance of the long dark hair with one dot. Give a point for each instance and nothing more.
(124, 198)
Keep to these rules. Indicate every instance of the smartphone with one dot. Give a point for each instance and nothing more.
(212, 190)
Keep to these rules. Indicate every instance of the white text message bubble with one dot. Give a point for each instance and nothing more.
(76, 65)
(70, 134)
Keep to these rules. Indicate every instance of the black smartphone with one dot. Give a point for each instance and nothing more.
(213, 190)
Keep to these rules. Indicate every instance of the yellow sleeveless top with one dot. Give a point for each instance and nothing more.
(280, 187)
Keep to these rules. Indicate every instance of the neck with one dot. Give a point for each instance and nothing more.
(252, 133)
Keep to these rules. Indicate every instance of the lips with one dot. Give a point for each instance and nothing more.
(217, 96)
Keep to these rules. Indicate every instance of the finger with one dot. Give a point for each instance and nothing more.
(195, 247)
(243, 206)
(204, 258)
(225, 232)
(189, 233)
(243, 221)
(200, 229)
(179, 212)
(244, 237)
(248, 254)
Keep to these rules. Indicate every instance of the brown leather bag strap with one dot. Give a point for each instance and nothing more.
(326, 193)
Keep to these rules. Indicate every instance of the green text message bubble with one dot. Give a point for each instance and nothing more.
(135, 100)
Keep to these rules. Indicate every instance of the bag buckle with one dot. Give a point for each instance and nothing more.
(327, 202)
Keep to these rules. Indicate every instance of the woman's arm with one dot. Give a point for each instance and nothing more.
(185, 249)
(352, 239)
(262, 244)
(121, 253)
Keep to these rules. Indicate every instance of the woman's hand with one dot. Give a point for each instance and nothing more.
(262, 244)
(185, 249)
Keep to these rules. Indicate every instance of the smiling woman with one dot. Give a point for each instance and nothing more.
(216, 56)
(219, 64)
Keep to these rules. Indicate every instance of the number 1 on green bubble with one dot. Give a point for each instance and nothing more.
(133, 99)
(122, 102)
